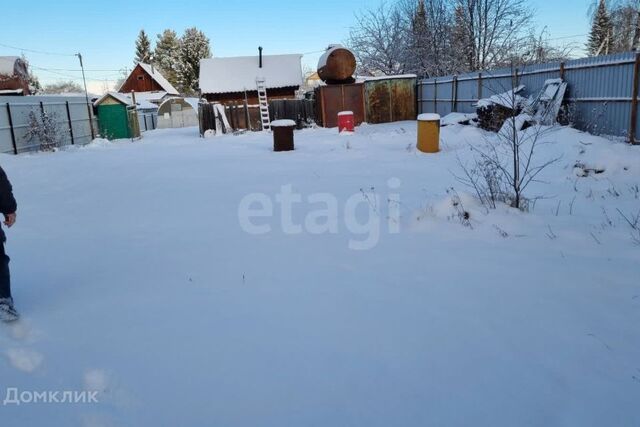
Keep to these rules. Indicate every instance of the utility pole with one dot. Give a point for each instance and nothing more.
(86, 94)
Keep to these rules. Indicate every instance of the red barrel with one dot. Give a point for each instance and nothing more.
(345, 121)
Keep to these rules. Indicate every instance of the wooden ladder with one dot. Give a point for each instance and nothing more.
(264, 104)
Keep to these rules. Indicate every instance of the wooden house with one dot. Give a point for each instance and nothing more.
(14, 76)
(149, 84)
(232, 80)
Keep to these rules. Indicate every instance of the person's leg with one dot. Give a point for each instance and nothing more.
(5, 276)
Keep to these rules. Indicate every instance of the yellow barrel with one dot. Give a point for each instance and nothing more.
(429, 133)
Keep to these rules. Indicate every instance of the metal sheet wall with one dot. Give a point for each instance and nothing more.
(332, 99)
(599, 90)
(390, 100)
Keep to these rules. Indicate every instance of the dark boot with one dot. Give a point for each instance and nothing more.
(8, 312)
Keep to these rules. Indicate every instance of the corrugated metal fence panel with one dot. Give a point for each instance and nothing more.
(81, 128)
(390, 100)
(534, 76)
(56, 107)
(445, 95)
(496, 82)
(599, 90)
(601, 97)
(426, 95)
(467, 93)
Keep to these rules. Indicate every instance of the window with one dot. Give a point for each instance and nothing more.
(141, 77)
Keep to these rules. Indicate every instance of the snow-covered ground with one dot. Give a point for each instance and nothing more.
(151, 272)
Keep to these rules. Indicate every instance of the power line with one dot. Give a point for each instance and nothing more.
(36, 51)
(56, 71)
(567, 37)
(75, 69)
(68, 76)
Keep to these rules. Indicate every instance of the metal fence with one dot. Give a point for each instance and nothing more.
(602, 91)
(72, 114)
(148, 120)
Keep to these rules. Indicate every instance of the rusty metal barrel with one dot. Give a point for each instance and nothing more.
(283, 135)
(337, 65)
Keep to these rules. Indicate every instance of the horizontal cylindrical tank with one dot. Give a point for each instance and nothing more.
(337, 65)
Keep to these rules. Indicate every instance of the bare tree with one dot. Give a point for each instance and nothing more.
(536, 49)
(625, 20)
(462, 44)
(62, 87)
(428, 24)
(379, 41)
(492, 29)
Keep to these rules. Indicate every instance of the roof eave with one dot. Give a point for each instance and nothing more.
(204, 92)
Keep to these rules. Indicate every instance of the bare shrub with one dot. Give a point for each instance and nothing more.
(504, 165)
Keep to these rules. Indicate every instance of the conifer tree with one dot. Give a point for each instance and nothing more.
(143, 48)
(167, 55)
(601, 30)
(462, 44)
(194, 46)
(419, 40)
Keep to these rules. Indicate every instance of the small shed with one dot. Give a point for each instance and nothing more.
(119, 118)
(178, 113)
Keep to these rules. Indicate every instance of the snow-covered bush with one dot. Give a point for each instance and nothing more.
(45, 128)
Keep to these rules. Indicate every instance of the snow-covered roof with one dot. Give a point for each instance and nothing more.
(12, 65)
(152, 96)
(157, 77)
(11, 91)
(126, 99)
(70, 94)
(191, 102)
(237, 74)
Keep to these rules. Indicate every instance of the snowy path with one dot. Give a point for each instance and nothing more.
(136, 279)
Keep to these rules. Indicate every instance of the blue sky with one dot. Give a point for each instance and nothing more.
(104, 32)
